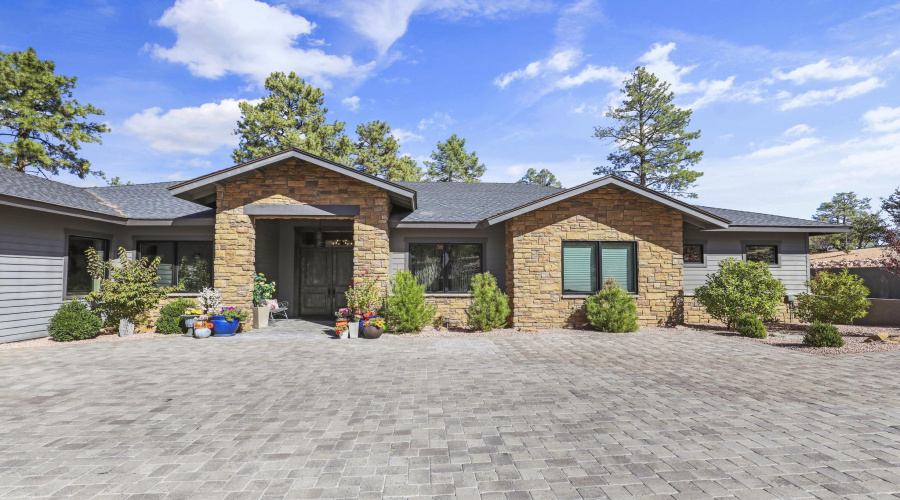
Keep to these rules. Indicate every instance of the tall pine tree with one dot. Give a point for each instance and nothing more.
(652, 146)
(292, 115)
(452, 163)
(377, 152)
(542, 178)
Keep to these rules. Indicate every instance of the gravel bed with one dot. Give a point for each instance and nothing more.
(790, 336)
(106, 337)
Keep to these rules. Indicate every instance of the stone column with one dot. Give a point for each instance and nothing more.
(235, 260)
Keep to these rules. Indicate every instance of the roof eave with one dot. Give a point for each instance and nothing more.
(784, 229)
(41, 206)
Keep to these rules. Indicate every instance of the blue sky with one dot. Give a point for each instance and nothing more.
(796, 100)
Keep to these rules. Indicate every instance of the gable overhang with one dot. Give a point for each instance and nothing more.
(691, 213)
(811, 230)
(204, 186)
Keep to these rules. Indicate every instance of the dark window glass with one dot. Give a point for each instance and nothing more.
(186, 262)
(78, 280)
(585, 262)
(762, 253)
(445, 267)
(693, 253)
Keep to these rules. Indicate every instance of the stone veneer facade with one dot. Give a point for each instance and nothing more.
(695, 314)
(452, 305)
(294, 183)
(534, 256)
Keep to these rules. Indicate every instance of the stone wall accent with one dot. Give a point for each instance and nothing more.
(300, 183)
(695, 314)
(452, 305)
(609, 213)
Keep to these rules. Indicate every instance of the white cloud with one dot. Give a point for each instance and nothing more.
(799, 129)
(559, 62)
(176, 176)
(845, 68)
(592, 73)
(196, 130)
(405, 136)
(785, 149)
(882, 119)
(437, 120)
(832, 95)
(248, 38)
(351, 103)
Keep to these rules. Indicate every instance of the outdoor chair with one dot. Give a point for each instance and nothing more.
(281, 309)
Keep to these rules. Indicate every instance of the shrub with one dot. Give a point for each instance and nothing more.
(490, 306)
(821, 334)
(405, 309)
(740, 288)
(170, 315)
(833, 298)
(365, 295)
(750, 326)
(262, 290)
(612, 309)
(128, 288)
(73, 321)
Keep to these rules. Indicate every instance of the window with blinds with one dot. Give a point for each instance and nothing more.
(588, 264)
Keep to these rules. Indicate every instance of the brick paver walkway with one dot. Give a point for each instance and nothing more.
(554, 416)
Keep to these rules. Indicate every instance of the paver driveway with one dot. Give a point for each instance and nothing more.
(567, 416)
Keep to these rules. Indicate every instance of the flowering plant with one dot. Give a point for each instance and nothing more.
(210, 299)
(193, 311)
(343, 313)
(339, 329)
(365, 294)
(376, 322)
(234, 313)
(202, 324)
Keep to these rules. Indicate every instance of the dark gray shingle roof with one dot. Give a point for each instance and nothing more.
(150, 201)
(32, 187)
(468, 202)
(741, 218)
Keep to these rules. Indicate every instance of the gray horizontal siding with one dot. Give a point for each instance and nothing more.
(793, 270)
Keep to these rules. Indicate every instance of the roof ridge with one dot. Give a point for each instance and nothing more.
(107, 203)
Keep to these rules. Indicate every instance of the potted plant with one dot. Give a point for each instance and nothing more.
(226, 323)
(374, 327)
(364, 297)
(342, 317)
(210, 300)
(202, 327)
(355, 326)
(262, 291)
(342, 330)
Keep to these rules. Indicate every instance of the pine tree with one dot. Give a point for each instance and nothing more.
(651, 141)
(292, 115)
(452, 163)
(542, 178)
(377, 152)
(405, 309)
(490, 306)
(45, 127)
(891, 206)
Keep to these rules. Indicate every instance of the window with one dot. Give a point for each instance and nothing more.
(587, 264)
(693, 253)
(445, 267)
(762, 253)
(187, 262)
(78, 280)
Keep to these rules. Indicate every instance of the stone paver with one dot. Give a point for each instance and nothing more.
(263, 415)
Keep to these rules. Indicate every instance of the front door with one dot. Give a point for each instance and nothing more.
(325, 274)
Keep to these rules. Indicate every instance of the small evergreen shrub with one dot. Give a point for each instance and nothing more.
(170, 315)
(490, 306)
(834, 298)
(821, 334)
(73, 321)
(612, 309)
(750, 326)
(738, 288)
(405, 310)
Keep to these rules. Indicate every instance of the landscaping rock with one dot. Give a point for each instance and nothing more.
(878, 337)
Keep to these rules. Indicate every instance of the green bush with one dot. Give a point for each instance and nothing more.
(405, 310)
(612, 309)
(73, 321)
(740, 288)
(490, 306)
(834, 298)
(821, 334)
(750, 326)
(170, 315)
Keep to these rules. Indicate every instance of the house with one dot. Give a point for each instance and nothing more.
(312, 225)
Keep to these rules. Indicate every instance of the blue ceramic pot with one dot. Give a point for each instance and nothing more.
(222, 328)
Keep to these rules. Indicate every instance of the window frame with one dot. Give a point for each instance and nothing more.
(776, 244)
(703, 254)
(175, 266)
(446, 262)
(85, 235)
(599, 244)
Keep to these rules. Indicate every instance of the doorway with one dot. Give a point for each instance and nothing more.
(325, 269)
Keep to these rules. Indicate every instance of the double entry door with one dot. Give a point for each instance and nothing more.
(325, 274)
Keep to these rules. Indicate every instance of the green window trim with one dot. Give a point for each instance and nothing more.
(586, 265)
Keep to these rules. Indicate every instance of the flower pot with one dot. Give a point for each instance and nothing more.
(372, 332)
(126, 327)
(223, 328)
(354, 330)
(189, 320)
(261, 317)
(342, 334)
(202, 333)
